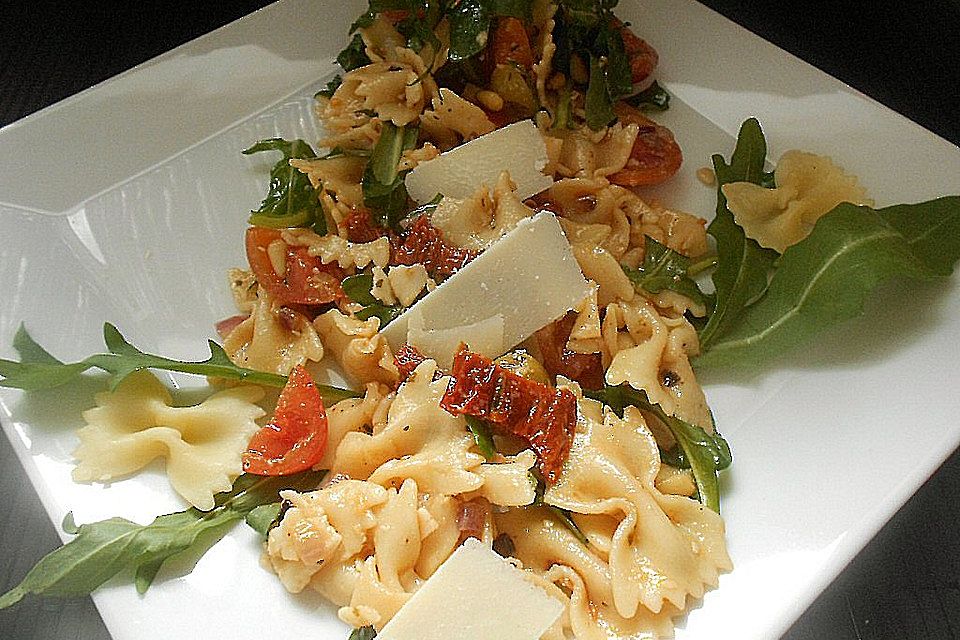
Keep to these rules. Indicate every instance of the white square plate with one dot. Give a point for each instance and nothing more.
(144, 212)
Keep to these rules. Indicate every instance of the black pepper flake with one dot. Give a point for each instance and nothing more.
(669, 378)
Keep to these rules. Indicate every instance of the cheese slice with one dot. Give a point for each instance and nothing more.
(474, 595)
(523, 282)
(484, 337)
(518, 149)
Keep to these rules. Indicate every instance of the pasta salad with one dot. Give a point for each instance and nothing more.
(583, 448)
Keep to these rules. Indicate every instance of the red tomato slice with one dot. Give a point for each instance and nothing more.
(306, 280)
(655, 156)
(511, 44)
(296, 438)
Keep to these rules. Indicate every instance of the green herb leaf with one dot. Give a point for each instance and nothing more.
(826, 278)
(565, 517)
(742, 264)
(653, 98)
(291, 200)
(354, 55)
(598, 104)
(264, 517)
(39, 370)
(382, 183)
(386, 313)
(358, 288)
(469, 26)
(619, 76)
(104, 549)
(707, 454)
(363, 633)
(522, 9)
(331, 88)
(482, 435)
(664, 268)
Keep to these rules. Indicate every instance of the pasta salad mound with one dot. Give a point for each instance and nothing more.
(514, 324)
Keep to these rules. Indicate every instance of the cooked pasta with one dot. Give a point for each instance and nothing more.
(807, 186)
(137, 423)
(514, 450)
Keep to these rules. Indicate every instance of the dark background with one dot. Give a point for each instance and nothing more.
(904, 585)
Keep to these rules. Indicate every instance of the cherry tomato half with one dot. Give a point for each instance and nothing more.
(306, 280)
(296, 438)
(655, 156)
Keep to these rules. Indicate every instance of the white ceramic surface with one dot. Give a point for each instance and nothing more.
(146, 213)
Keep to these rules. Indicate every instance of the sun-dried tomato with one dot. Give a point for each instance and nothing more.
(585, 368)
(422, 243)
(407, 358)
(543, 416)
(361, 228)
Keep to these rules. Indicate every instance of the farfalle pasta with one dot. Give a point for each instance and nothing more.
(807, 186)
(501, 438)
(137, 423)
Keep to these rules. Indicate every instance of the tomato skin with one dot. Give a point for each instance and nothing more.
(306, 279)
(643, 57)
(655, 156)
(585, 368)
(541, 415)
(296, 438)
(510, 43)
(424, 244)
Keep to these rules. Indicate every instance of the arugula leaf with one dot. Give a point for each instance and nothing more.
(104, 549)
(383, 189)
(482, 435)
(664, 268)
(469, 27)
(264, 517)
(598, 104)
(826, 278)
(742, 264)
(653, 98)
(39, 370)
(619, 77)
(331, 87)
(354, 56)
(707, 454)
(358, 288)
(363, 633)
(767, 305)
(522, 9)
(564, 516)
(586, 30)
(291, 200)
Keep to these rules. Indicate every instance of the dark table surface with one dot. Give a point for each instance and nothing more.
(905, 584)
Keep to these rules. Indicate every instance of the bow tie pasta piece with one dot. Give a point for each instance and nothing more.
(580, 578)
(421, 441)
(647, 553)
(591, 154)
(364, 547)
(659, 548)
(135, 424)
(273, 338)
(396, 91)
(807, 187)
(483, 218)
(650, 350)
